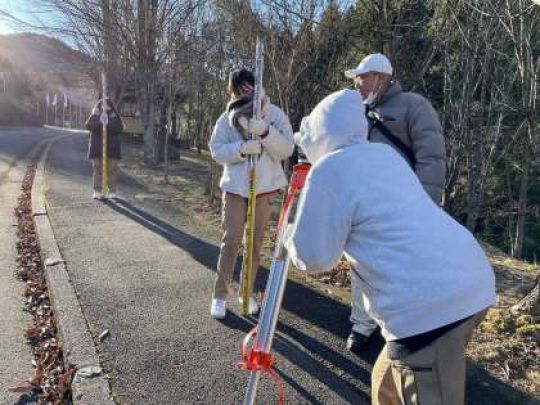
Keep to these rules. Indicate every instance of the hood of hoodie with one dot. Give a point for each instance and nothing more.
(336, 122)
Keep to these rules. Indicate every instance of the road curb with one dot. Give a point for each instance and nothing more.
(76, 131)
(76, 341)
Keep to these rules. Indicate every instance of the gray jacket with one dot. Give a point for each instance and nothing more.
(412, 119)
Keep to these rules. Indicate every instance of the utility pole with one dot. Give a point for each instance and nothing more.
(64, 111)
(47, 102)
(3, 75)
(55, 104)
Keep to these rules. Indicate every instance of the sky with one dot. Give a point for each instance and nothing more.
(25, 10)
(15, 8)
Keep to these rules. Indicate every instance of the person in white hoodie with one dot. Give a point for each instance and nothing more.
(230, 145)
(425, 279)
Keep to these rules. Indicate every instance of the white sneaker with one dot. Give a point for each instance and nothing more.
(112, 196)
(218, 309)
(253, 308)
(97, 195)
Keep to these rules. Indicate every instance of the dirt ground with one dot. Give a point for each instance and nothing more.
(508, 348)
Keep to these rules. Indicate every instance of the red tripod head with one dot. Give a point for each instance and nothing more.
(299, 175)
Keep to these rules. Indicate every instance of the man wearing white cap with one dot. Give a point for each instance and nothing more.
(409, 123)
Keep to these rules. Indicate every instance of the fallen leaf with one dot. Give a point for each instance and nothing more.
(37, 378)
(32, 333)
(23, 388)
(65, 378)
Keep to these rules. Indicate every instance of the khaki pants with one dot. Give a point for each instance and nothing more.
(433, 375)
(113, 174)
(233, 223)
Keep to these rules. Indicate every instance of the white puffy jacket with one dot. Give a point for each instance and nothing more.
(418, 268)
(277, 146)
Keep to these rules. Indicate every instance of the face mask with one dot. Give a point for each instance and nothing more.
(371, 99)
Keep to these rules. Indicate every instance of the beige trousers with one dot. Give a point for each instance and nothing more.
(434, 375)
(233, 223)
(113, 174)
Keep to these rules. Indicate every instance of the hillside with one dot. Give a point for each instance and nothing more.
(34, 65)
(48, 58)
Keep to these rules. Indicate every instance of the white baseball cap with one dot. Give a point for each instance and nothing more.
(376, 62)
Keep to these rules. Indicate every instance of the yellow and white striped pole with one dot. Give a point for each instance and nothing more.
(249, 237)
(105, 136)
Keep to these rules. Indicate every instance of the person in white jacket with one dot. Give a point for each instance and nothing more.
(425, 279)
(230, 145)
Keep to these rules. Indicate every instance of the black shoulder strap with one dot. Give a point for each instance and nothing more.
(394, 139)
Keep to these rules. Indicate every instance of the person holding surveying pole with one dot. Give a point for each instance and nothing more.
(104, 123)
(424, 278)
(238, 135)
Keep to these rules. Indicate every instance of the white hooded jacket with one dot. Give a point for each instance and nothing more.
(278, 145)
(418, 268)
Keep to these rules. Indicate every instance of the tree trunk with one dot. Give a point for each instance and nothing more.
(522, 213)
(148, 114)
(212, 186)
(530, 304)
(475, 192)
(200, 129)
(116, 74)
(147, 75)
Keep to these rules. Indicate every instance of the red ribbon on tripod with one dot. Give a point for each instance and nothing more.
(257, 360)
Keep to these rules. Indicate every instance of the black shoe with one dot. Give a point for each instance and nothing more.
(356, 342)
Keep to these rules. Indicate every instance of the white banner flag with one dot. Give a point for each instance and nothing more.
(65, 100)
(47, 100)
(55, 99)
